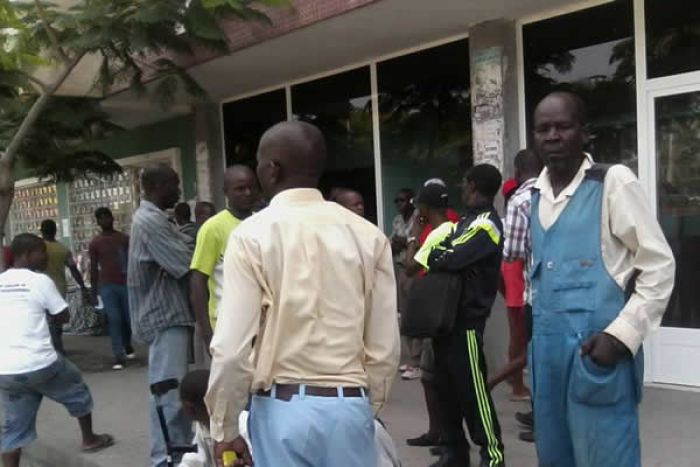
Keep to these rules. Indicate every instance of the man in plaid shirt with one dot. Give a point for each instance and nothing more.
(517, 246)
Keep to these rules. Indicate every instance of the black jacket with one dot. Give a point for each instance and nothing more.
(474, 250)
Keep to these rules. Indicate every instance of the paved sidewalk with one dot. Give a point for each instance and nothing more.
(670, 420)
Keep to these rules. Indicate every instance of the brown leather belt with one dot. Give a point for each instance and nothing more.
(286, 391)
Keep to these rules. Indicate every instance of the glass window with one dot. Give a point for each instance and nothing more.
(590, 52)
(425, 120)
(673, 36)
(677, 149)
(341, 106)
(246, 120)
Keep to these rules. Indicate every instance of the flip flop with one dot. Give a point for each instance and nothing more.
(104, 441)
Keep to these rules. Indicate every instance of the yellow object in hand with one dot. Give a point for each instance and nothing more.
(229, 457)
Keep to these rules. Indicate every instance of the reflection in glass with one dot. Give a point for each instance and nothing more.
(678, 155)
(598, 63)
(341, 106)
(673, 36)
(425, 120)
(246, 120)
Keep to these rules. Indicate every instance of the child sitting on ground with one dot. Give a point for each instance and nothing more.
(192, 391)
(193, 388)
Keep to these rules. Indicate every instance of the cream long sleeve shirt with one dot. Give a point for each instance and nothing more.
(631, 239)
(314, 285)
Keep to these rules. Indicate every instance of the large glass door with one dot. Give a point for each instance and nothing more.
(675, 145)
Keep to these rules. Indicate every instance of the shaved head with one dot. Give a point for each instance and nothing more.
(235, 173)
(352, 200)
(291, 155)
(240, 189)
(161, 185)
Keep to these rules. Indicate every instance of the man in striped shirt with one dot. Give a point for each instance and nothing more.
(159, 262)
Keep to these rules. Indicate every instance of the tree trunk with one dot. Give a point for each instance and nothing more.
(7, 160)
(13, 148)
(7, 192)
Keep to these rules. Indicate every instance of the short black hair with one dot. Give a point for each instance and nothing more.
(528, 161)
(25, 243)
(407, 191)
(486, 178)
(580, 107)
(193, 387)
(206, 204)
(182, 210)
(99, 212)
(155, 175)
(49, 228)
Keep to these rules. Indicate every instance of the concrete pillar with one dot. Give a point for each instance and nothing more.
(494, 91)
(209, 154)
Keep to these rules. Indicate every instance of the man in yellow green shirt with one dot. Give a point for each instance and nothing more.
(60, 258)
(240, 189)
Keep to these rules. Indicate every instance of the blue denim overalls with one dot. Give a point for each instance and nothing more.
(585, 415)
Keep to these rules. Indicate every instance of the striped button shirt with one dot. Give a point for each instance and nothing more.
(159, 260)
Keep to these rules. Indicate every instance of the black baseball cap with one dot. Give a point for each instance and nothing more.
(433, 195)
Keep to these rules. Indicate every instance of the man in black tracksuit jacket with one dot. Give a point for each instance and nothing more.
(474, 251)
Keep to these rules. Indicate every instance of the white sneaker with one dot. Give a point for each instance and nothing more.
(403, 368)
(131, 356)
(117, 366)
(411, 373)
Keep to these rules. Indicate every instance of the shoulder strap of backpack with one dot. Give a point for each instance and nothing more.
(597, 172)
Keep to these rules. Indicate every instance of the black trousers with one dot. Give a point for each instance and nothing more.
(460, 372)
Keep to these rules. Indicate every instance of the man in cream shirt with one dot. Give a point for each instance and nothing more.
(308, 320)
(602, 274)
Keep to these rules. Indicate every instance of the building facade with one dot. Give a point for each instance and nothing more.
(407, 90)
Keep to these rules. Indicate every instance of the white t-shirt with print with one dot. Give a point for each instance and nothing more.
(25, 341)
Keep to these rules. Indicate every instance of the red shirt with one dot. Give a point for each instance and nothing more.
(7, 255)
(110, 251)
(452, 216)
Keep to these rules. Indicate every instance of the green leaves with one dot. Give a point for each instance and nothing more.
(59, 145)
(200, 22)
(136, 41)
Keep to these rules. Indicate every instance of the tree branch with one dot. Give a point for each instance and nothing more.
(13, 148)
(42, 86)
(51, 33)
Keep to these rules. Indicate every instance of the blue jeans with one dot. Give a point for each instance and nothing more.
(22, 394)
(311, 431)
(116, 302)
(167, 358)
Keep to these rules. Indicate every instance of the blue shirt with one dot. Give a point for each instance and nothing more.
(159, 260)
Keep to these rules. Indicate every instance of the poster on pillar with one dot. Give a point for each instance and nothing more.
(203, 174)
(487, 106)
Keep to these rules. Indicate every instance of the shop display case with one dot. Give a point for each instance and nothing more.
(119, 193)
(32, 204)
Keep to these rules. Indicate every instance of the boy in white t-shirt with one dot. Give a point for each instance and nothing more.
(30, 368)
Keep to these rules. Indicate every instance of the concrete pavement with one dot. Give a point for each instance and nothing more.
(670, 420)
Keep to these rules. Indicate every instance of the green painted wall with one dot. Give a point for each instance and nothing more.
(177, 132)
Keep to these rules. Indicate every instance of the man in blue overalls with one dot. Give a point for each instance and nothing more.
(594, 238)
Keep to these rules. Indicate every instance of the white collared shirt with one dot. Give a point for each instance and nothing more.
(631, 239)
